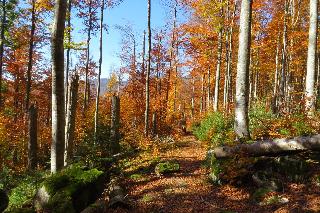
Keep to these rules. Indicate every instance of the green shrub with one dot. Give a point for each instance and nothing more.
(22, 195)
(302, 128)
(259, 117)
(216, 128)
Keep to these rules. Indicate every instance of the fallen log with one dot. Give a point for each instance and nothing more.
(269, 147)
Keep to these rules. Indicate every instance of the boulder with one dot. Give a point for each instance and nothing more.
(71, 190)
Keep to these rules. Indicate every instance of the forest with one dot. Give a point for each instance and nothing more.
(216, 111)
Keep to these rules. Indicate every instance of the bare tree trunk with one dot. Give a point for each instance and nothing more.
(311, 64)
(87, 89)
(33, 140)
(241, 124)
(202, 105)
(30, 62)
(115, 125)
(68, 50)
(318, 77)
(175, 85)
(217, 83)
(3, 21)
(58, 104)
(146, 122)
(284, 60)
(208, 88)
(229, 88)
(143, 65)
(276, 79)
(171, 62)
(71, 119)
(154, 123)
(192, 98)
(96, 115)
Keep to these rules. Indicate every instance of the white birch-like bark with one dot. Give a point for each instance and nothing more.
(217, 83)
(241, 124)
(310, 98)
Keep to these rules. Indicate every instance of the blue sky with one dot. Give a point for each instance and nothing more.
(133, 12)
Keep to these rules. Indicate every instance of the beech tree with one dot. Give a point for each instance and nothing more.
(31, 47)
(58, 104)
(96, 115)
(310, 96)
(241, 123)
(147, 110)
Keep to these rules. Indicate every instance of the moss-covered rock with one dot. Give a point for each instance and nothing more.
(166, 167)
(70, 190)
(21, 196)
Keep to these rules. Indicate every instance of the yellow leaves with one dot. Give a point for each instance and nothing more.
(44, 5)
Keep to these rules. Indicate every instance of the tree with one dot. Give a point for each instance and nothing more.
(241, 124)
(33, 141)
(31, 47)
(217, 83)
(96, 115)
(3, 20)
(71, 118)
(310, 97)
(146, 119)
(58, 104)
(8, 16)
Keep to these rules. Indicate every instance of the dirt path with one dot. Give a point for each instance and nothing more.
(189, 189)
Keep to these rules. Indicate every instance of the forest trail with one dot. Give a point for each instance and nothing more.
(185, 191)
(190, 191)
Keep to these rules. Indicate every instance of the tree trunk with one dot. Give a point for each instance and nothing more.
(175, 85)
(228, 87)
(208, 88)
(269, 148)
(202, 104)
(146, 121)
(143, 65)
(311, 64)
(68, 50)
(193, 98)
(284, 60)
(115, 125)
(96, 115)
(71, 119)
(154, 123)
(276, 80)
(30, 62)
(173, 40)
(33, 138)
(217, 83)
(241, 124)
(3, 21)
(58, 104)
(87, 89)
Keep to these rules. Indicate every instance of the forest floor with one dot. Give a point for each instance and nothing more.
(190, 191)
